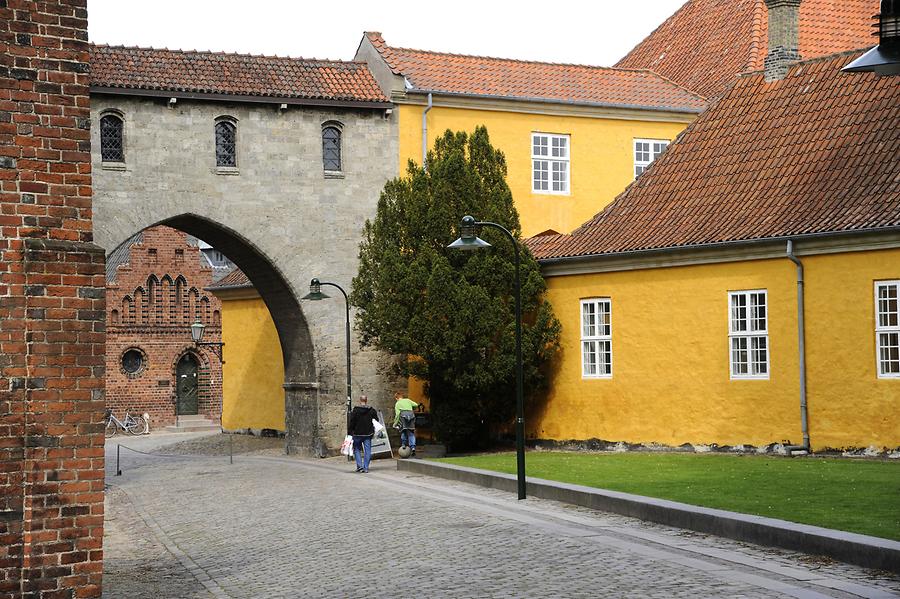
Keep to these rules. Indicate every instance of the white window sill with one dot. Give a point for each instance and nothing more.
(749, 377)
(227, 170)
(112, 166)
(889, 377)
(550, 193)
(334, 174)
(596, 377)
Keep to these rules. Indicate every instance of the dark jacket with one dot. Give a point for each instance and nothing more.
(361, 420)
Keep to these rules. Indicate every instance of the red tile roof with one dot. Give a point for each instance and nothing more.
(707, 42)
(536, 81)
(818, 152)
(235, 279)
(232, 74)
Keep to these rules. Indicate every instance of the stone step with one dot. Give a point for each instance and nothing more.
(193, 423)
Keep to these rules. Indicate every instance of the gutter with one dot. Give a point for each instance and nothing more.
(801, 348)
(218, 97)
(550, 101)
(425, 134)
(721, 244)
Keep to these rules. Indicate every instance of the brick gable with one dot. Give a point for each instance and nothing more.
(152, 298)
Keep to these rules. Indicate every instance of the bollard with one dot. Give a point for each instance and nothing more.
(118, 453)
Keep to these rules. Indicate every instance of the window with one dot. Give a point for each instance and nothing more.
(132, 361)
(596, 338)
(748, 334)
(226, 143)
(111, 147)
(887, 328)
(331, 148)
(645, 152)
(550, 163)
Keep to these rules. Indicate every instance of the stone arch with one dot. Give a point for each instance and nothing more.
(301, 376)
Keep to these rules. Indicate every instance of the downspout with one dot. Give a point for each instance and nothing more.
(801, 337)
(425, 133)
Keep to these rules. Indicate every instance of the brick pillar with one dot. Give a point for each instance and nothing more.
(52, 336)
(784, 37)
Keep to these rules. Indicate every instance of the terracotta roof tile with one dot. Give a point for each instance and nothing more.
(537, 81)
(233, 280)
(818, 152)
(704, 44)
(232, 74)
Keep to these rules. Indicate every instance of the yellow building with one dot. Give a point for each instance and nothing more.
(253, 371)
(574, 136)
(683, 318)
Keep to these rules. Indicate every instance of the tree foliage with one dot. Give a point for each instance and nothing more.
(453, 312)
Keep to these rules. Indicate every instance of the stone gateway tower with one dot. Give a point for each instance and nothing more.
(51, 309)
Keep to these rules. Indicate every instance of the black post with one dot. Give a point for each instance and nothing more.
(520, 379)
(118, 452)
(347, 322)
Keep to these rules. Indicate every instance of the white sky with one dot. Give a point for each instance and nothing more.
(597, 33)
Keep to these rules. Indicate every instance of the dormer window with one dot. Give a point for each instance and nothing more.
(112, 147)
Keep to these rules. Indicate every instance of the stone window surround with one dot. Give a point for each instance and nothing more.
(227, 170)
(109, 165)
(339, 174)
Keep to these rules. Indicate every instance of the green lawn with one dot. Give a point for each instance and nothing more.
(852, 495)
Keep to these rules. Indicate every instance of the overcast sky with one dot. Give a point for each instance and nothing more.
(598, 32)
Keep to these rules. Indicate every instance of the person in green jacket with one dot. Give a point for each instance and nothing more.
(405, 420)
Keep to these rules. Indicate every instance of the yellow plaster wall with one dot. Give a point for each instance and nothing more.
(601, 157)
(671, 381)
(253, 373)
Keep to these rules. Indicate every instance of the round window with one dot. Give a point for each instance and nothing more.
(132, 361)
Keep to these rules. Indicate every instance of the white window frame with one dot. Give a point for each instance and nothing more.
(882, 328)
(643, 164)
(748, 335)
(596, 337)
(551, 161)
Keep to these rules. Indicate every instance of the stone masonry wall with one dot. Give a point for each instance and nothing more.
(51, 309)
(151, 302)
(279, 200)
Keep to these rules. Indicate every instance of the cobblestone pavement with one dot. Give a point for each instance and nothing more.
(277, 527)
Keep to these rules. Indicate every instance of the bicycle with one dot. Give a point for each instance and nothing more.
(133, 425)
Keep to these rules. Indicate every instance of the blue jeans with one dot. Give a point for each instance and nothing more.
(362, 444)
(408, 438)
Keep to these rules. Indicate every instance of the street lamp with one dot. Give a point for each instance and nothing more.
(315, 294)
(468, 240)
(884, 58)
(197, 336)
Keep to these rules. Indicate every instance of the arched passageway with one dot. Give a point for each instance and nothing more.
(301, 386)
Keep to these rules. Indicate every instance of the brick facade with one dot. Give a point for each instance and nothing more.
(51, 309)
(152, 299)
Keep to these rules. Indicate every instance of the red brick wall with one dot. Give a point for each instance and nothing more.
(151, 304)
(51, 309)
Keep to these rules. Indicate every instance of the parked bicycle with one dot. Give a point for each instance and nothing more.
(133, 425)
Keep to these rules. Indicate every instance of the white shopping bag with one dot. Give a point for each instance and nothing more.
(378, 428)
(347, 445)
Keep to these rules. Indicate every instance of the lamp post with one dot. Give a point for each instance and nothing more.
(315, 294)
(469, 241)
(884, 58)
(197, 336)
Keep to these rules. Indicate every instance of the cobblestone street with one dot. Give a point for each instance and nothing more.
(277, 527)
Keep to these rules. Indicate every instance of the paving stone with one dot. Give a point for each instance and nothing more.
(273, 526)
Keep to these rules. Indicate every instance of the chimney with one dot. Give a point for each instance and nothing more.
(784, 26)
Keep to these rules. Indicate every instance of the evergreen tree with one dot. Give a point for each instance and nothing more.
(453, 312)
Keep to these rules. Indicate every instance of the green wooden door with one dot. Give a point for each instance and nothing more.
(186, 385)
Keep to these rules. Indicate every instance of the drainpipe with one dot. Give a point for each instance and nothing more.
(425, 133)
(801, 337)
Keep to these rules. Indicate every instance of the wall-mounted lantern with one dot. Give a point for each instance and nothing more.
(197, 336)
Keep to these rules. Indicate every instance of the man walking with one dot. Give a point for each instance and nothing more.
(405, 418)
(362, 428)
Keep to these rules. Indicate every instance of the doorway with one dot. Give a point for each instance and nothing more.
(186, 385)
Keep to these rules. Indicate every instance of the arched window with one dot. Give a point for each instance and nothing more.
(112, 149)
(226, 143)
(331, 148)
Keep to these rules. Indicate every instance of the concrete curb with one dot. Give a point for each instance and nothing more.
(862, 550)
